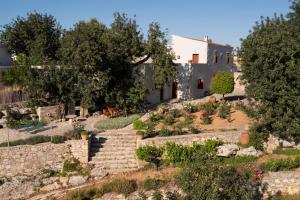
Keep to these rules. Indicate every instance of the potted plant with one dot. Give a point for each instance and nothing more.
(84, 135)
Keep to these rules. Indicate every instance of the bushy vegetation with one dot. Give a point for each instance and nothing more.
(289, 151)
(190, 108)
(202, 181)
(178, 154)
(275, 86)
(153, 183)
(224, 111)
(71, 165)
(35, 140)
(281, 164)
(237, 160)
(118, 186)
(116, 123)
(139, 125)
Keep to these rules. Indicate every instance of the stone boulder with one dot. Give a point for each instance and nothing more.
(271, 144)
(227, 150)
(98, 173)
(286, 144)
(77, 180)
(250, 151)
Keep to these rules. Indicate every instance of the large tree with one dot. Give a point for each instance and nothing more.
(113, 55)
(270, 58)
(36, 35)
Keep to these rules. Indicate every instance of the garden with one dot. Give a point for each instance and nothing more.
(212, 116)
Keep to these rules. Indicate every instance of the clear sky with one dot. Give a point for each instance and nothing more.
(224, 21)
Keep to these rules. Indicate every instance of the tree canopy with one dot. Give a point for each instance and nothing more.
(36, 35)
(102, 62)
(223, 83)
(270, 57)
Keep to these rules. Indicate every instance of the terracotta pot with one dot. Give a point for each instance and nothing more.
(244, 138)
(84, 137)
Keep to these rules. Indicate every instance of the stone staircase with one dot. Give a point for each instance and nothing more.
(114, 151)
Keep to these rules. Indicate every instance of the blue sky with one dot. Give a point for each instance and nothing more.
(223, 21)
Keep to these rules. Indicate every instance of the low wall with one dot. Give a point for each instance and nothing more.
(80, 149)
(30, 159)
(230, 136)
(287, 182)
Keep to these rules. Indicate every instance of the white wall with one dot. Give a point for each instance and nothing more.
(184, 48)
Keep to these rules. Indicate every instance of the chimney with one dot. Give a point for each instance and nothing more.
(206, 38)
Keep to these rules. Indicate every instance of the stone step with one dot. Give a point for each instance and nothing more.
(113, 148)
(113, 143)
(111, 165)
(112, 153)
(113, 157)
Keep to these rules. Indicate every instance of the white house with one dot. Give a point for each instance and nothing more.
(197, 62)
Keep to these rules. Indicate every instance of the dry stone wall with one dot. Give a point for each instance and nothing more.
(31, 159)
(230, 136)
(287, 182)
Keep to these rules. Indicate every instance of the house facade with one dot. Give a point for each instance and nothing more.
(197, 62)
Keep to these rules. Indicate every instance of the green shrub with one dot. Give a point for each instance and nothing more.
(207, 181)
(150, 154)
(206, 120)
(116, 123)
(175, 153)
(165, 132)
(80, 194)
(280, 164)
(118, 186)
(258, 136)
(152, 184)
(71, 165)
(139, 125)
(224, 111)
(190, 108)
(175, 113)
(157, 195)
(209, 108)
(169, 120)
(237, 160)
(289, 152)
(57, 139)
(211, 146)
(122, 186)
(155, 117)
(194, 130)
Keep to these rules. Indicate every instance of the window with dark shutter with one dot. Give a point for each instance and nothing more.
(200, 84)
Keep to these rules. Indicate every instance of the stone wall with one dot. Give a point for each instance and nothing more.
(287, 182)
(30, 159)
(80, 149)
(230, 136)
